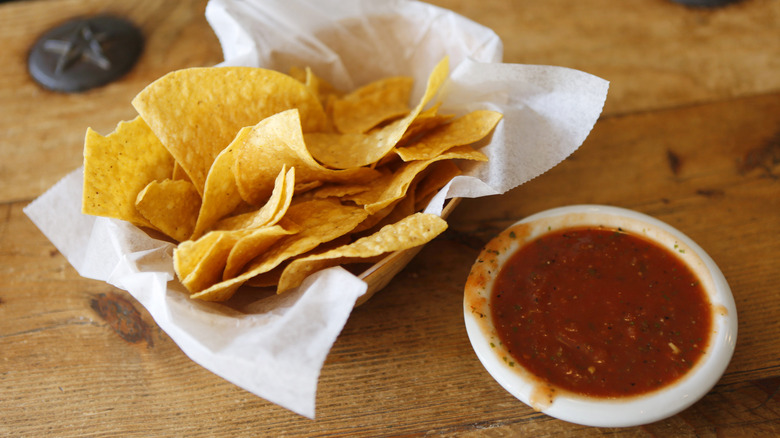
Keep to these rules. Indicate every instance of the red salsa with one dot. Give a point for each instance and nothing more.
(601, 312)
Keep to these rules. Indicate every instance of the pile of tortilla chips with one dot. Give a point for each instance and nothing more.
(263, 178)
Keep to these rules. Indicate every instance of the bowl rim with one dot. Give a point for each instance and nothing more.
(611, 412)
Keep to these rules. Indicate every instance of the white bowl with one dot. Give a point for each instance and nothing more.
(603, 412)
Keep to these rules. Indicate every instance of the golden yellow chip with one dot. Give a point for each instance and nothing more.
(200, 263)
(390, 214)
(197, 112)
(220, 194)
(299, 74)
(266, 279)
(316, 84)
(271, 278)
(305, 187)
(375, 219)
(340, 190)
(343, 151)
(178, 172)
(253, 244)
(324, 91)
(462, 131)
(414, 230)
(372, 104)
(171, 206)
(389, 188)
(270, 213)
(319, 221)
(426, 121)
(118, 166)
(399, 209)
(273, 143)
(439, 174)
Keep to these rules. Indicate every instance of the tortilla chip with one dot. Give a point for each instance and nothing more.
(200, 263)
(253, 244)
(273, 143)
(376, 218)
(118, 166)
(220, 194)
(324, 91)
(203, 263)
(439, 174)
(462, 131)
(372, 104)
(319, 220)
(271, 212)
(412, 231)
(340, 190)
(178, 172)
(307, 186)
(390, 188)
(197, 112)
(343, 151)
(171, 206)
(426, 121)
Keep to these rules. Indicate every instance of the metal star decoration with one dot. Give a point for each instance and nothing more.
(83, 44)
(85, 53)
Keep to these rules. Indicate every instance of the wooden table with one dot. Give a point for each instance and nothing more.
(690, 134)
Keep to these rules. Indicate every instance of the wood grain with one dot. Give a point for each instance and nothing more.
(655, 53)
(42, 132)
(690, 134)
(404, 359)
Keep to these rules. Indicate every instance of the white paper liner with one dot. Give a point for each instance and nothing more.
(275, 347)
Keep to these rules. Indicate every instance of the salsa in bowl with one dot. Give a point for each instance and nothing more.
(599, 315)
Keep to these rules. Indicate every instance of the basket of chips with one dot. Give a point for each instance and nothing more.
(251, 205)
(256, 183)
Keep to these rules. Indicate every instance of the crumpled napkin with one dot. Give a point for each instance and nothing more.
(275, 347)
